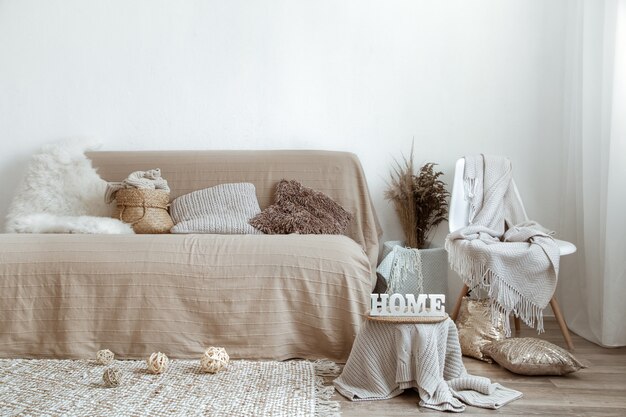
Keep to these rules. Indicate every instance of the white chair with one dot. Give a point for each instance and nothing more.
(458, 218)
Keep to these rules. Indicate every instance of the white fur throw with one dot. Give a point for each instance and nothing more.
(62, 193)
(52, 223)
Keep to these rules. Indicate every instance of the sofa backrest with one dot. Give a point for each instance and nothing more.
(337, 174)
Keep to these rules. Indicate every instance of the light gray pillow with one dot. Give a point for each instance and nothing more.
(223, 209)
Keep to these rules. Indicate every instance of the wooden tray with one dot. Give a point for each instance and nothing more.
(408, 319)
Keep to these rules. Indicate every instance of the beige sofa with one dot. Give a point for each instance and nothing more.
(259, 296)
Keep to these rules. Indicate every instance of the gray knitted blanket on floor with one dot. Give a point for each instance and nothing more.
(388, 358)
(500, 250)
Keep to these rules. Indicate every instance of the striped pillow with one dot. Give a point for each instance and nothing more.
(223, 209)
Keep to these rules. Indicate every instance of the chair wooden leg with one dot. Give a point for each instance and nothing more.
(518, 324)
(457, 306)
(559, 318)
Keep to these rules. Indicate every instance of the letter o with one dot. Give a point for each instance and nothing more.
(395, 307)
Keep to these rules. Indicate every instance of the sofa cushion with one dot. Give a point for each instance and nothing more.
(223, 209)
(262, 296)
(299, 209)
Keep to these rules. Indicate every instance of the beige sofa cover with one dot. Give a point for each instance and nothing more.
(259, 296)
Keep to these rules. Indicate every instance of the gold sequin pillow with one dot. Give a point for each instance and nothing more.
(532, 356)
(475, 328)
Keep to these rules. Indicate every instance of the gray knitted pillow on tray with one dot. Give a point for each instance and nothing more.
(222, 209)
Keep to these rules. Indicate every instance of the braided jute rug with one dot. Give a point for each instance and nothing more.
(247, 388)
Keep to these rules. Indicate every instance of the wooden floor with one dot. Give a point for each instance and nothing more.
(599, 390)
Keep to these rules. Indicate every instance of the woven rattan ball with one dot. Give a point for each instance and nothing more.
(105, 357)
(214, 359)
(157, 363)
(112, 377)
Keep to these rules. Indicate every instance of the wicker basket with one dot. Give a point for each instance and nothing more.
(144, 209)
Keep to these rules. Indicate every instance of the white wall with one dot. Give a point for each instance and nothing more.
(364, 76)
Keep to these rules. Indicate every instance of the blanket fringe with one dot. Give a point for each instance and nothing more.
(326, 368)
(503, 298)
(405, 260)
(469, 188)
(324, 406)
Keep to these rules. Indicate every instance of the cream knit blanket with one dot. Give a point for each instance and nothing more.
(150, 179)
(388, 358)
(500, 250)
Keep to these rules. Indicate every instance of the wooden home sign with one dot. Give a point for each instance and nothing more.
(406, 305)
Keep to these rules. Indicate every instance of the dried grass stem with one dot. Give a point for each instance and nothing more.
(420, 200)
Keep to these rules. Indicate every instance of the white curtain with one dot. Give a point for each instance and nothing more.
(592, 288)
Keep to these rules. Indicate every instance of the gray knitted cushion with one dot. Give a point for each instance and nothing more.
(223, 209)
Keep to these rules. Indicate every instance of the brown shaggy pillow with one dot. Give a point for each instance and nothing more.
(299, 209)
